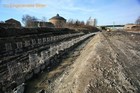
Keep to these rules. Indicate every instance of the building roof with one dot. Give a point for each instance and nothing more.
(11, 19)
(58, 17)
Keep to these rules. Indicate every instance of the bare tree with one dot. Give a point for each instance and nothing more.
(87, 23)
(44, 19)
(28, 20)
(70, 21)
(75, 23)
(82, 23)
(1, 21)
(138, 21)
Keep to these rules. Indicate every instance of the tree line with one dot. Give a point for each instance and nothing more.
(28, 20)
(138, 21)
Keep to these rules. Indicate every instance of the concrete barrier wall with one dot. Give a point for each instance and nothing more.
(41, 53)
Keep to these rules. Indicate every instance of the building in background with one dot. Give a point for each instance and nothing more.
(13, 22)
(58, 21)
(132, 27)
(92, 22)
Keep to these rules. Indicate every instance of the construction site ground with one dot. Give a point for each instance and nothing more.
(108, 63)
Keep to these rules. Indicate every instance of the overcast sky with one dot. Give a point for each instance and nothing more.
(105, 11)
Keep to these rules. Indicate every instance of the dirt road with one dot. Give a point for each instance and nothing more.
(110, 63)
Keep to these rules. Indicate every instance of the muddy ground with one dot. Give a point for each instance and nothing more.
(110, 63)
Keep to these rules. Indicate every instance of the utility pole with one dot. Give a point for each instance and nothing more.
(113, 25)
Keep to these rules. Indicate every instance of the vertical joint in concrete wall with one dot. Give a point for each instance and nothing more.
(8, 46)
(27, 43)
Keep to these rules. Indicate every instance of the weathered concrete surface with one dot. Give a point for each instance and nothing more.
(44, 79)
(110, 63)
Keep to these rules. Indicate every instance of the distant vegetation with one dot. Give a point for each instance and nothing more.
(80, 25)
(71, 23)
(28, 20)
(138, 21)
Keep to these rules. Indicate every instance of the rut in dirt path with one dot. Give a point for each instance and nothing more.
(108, 64)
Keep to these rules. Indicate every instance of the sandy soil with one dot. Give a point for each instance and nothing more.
(110, 63)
